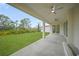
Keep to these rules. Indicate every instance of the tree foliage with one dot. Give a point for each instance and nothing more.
(6, 22)
(25, 23)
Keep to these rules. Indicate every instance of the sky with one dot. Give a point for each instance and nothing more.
(16, 14)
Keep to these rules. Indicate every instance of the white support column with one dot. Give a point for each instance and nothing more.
(61, 29)
(43, 30)
(51, 29)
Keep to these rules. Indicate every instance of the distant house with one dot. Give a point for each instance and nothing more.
(47, 28)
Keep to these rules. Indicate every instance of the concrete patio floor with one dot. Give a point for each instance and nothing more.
(50, 46)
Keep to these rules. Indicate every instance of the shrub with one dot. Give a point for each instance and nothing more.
(14, 31)
(34, 30)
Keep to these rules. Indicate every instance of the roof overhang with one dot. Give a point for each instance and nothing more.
(42, 11)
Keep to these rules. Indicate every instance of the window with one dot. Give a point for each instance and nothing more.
(58, 29)
(66, 28)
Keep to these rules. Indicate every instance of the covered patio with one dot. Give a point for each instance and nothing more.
(63, 33)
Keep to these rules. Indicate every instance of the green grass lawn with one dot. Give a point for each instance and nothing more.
(11, 43)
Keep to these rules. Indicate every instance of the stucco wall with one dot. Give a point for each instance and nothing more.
(70, 27)
(73, 26)
(76, 26)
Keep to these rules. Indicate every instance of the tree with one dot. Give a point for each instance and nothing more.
(16, 24)
(25, 23)
(6, 22)
(38, 27)
(3, 19)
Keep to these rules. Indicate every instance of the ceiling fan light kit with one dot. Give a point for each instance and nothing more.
(53, 9)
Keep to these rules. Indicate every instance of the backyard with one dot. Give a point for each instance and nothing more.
(13, 42)
(15, 35)
(17, 29)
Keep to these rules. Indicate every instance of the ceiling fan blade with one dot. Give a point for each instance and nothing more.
(48, 15)
(59, 8)
(54, 12)
(54, 8)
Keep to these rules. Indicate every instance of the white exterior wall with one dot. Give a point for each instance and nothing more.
(70, 27)
(76, 26)
(73, 27)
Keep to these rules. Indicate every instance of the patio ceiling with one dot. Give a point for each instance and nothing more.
(42, 11)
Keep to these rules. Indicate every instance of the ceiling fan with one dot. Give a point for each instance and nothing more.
(54, 9)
